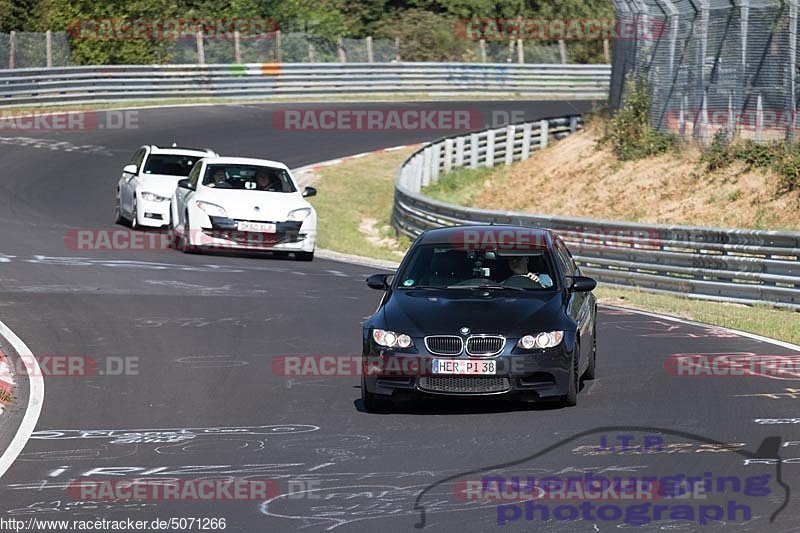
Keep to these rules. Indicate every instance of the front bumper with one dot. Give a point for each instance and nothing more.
(524, 375)
(224, 234)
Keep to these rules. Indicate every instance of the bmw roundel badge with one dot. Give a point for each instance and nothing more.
(464, 330)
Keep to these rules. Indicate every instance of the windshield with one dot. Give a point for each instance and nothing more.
(170, 165)
(452, 267)
(248, 177)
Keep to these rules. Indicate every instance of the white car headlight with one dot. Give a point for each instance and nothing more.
(153, 197)
(548, 339)
(298, 215)
(212, 210)
(390, 339)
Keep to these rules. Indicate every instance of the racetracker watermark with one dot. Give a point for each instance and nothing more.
(378, 119)
(74, 365)
(170, 489)
(735, 365)
(567, 29)
(69, 121)
(121, 239)
(520, 240)
(171, 29)
(724, 118)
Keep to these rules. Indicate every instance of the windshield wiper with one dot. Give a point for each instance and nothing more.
(482, 287)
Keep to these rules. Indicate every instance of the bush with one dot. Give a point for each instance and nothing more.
(719, 153)
(789, 170)
(629, 132)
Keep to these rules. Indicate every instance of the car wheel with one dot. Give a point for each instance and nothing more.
(118, 218)
(570, 399)
(304, 256)
(134, 215)
(590, 370)
(372, 403)
(184, 244)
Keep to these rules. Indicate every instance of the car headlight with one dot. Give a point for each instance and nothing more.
(153, 197)
(390, 339)
(298, 215)
(548, 339)
(212, 210)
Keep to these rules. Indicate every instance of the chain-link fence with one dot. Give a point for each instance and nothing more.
(38, 50)
(711, 65)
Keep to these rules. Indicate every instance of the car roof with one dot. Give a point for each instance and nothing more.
(244, 161)
(452, 234)
(181, 150)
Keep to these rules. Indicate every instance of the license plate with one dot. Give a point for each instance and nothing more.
(260, 227)
(464, 367)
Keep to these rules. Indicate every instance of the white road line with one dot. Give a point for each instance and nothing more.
(35, 399)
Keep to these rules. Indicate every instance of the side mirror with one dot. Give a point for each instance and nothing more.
(185, 183)
(581, 284)
(309, 191)
(378, 281)
(130, 169)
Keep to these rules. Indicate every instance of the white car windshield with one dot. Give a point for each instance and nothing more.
(248, 177)
(170, 164)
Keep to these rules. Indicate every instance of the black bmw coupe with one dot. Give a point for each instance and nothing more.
(481, 311)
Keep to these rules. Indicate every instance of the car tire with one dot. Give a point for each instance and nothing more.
(118, 218)
(185, 245)
(570, 399)
(134, 215)
(592, 368)
(304, 256)
(372, 403)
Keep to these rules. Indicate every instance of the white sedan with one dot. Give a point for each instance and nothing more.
(149, 180)
(241, 203)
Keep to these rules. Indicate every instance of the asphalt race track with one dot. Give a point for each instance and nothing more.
(205, 401)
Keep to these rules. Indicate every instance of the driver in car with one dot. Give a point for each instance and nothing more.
(219, 179)
(519, 267)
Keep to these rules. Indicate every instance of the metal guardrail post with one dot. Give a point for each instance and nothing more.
(48, 48)
(237, 48)
(370, 56)
(544, 134)
(511, 132)
(201, 50)
(526, 141)
(12, 49)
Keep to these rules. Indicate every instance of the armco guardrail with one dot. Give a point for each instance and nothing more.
(115, 83)
(744, 266)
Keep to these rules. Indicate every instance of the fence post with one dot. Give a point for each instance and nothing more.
(473, 150)
(526, 141)
(510, 50)
(520, 52)
(544, 134)
(562, 51)
(490, 137)
(791, 94)
(573, 123)
(237, 48)
(436, 162)
(730, 125)
(397, 49)
(459, 151)
(682, 117)
(511, 132)
(278, 46)
(310, 50)
(607, 50)
(448, 155)
(759, 118)
(12, 49)
(427, 155)
(482, 48)
(48, 48)
(201, 51)
(340, 50)
(370, 56)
